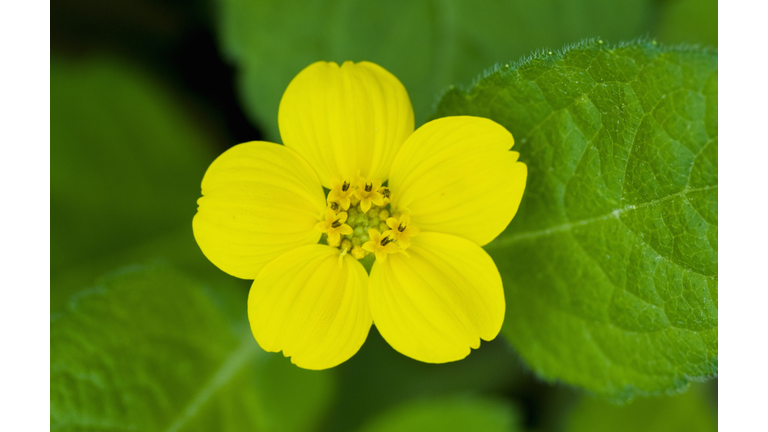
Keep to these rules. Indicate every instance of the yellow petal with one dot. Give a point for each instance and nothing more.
(404, 242)
(307, 306)
(259, 201)
(439, 303)
(346, 121)
(334, 239)
(370, 246)
(392, 222)
(365, 205)
(456, 175)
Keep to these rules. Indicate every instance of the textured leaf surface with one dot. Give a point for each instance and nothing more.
(150, 350)
(448, 415)
(680, 413)
(610, 266)
(426, 44)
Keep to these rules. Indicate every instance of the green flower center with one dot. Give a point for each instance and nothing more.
(361, 222)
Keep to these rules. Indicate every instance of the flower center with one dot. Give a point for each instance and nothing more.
(367, 225)
(361, 222)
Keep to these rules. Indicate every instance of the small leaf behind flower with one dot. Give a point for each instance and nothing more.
(678, 413)
(447, 415)
(610, 265)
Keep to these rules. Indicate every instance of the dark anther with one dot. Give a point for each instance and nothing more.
(336, 224)
(401, 228)
(345, 186)
(368, 187)
(334, 206)
(385, 192)
(385, 241)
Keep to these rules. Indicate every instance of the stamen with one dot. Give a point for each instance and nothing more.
(368, 187)
(345, 186)
(385, 192)
(335, 206)
(386, 240)
(336, 224)
(401, 228)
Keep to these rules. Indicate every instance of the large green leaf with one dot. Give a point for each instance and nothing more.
(610, 266)
(679, 413)
(148, 349)
(455, 414)
(428, 45)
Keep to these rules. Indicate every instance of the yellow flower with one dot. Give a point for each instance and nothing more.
(340, 194)
(380, 244)
(334, 226)
(368, 193)
(453, 182)
(402, 230)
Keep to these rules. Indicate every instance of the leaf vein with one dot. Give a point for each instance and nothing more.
(564, 227)
(229, 368)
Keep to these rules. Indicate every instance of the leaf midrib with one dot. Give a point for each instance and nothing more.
(503, 241)
(233, 363)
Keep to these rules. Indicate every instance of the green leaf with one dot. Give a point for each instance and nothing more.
(448, 415)
(610, 265)
(126, 161)
(679, 413)
(378, 378)
(151, 350)
(427, 45)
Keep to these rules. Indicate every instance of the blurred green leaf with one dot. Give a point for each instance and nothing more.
(610, 266)
(149, 349)
(177, 248)
(688, 21)
(427, 45)
(379, 378)
(448, 415)
(679, 413)
(126, 161)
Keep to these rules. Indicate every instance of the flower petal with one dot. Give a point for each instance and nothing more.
(456, 175)
(437, 304)
(345, 119)
(306, 305)
(259, 201)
